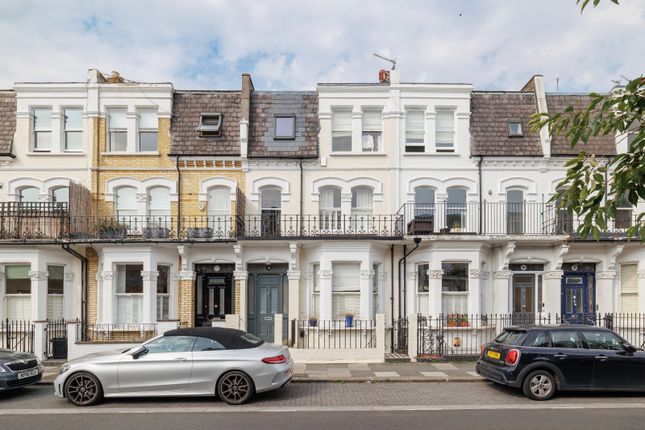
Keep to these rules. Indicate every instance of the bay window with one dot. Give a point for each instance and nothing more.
(55, 291)
(129, 293)
(454, 288)
(17, 292)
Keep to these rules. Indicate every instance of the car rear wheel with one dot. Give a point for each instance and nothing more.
(235, 388)
(539, 385)
(83, 389)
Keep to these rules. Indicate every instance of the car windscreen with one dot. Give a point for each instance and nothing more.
(511, 337)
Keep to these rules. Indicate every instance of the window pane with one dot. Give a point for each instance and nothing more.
(455, 277)
(159, 199)
(456, 196)
(285, 126)
(117, 118)
(129, 280)
(29, 195)
(541, 340)
(445, 120)
(372, 120)
(167, 344)
(55, 280)
(515, 128)
(17, 280)
(423, 282)
(148, 119)
(42, 119)
(424, 195)
(61, 195)
(219, 201)
(271, 198)
(565, 339)
(341, 141)
(126, 199)
(346, 276)
(205, 344)
(148, 141)
(118, 141)
(73, 119)
(342, 120)
(162, 280)
(602, 340)
(42, 140)
(362, 198)
(414, 130)
(74, 140)
(330, 198)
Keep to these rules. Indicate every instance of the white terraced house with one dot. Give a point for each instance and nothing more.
(362, 217)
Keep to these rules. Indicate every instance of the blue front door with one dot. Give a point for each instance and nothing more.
(577, 297)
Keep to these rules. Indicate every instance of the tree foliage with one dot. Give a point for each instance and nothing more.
(583, 3)
(593, 189)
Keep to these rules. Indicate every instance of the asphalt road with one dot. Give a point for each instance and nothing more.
(314, 406)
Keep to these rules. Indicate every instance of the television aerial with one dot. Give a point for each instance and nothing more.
(390, 60)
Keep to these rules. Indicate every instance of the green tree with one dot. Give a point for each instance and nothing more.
(595, 190)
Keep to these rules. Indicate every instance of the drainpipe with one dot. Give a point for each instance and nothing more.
(481, 197)
(84, 279)
(178, 197)
(392, 292)
(417, 241)
(301, 198)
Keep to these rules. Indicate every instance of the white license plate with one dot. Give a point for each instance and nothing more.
(27, 373)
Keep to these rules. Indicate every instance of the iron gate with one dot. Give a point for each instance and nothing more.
(17, 335)
(56, 340)
(400, 336)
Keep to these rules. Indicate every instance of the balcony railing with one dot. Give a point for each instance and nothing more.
(499, 218)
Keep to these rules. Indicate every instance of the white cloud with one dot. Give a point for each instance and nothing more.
(291, 44)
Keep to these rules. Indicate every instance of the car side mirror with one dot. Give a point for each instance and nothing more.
(629, 348)
(138, 351)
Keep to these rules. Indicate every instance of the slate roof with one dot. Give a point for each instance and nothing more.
(265, 105)
(600, 145)
(490, 114)
(187, 109)
(7, 120)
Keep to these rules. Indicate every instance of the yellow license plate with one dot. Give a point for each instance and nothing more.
(493, 354)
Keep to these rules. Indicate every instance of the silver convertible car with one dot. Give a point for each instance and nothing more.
(201, 361)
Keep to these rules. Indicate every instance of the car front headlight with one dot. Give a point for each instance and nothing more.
(64, 368)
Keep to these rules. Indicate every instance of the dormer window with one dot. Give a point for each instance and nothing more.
(514, 128)
(285, 127)
(210, 124)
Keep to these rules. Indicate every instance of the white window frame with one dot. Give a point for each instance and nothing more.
(119, 130)
(409, 144)
(423, 297)
(330, 217)
(9, 298)
(76, 131)
(38, 129)
(463, 295)
(453, 130)
(210, 129)
(344, 111)
(373, 131)
(147, 130)
(163, 299)
(55, 297)
(291, 136)
(132, 298)
(345, 293)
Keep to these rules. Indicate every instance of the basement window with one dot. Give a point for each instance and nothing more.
(285, 127)
(514, 128)
(210, 124)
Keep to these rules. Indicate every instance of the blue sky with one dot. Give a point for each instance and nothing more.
(291, 44)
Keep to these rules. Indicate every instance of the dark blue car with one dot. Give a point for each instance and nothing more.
(544, 359)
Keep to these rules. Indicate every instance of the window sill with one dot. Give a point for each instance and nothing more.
(130, 154)
(53, 154)
(425, 154)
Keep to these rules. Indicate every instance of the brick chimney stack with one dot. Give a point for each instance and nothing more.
(245, 113)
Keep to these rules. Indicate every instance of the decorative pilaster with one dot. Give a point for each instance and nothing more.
(105, 280)
(501, 291)
(241, 289)
(366, 293)
(149, 278)
(435, 297)
(325, 294)
(294, 295)
(68, 295)
(605, 281)
(551, 292)
(38, 294)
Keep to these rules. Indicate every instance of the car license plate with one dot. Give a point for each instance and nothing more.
(27, 373)
(493, 354)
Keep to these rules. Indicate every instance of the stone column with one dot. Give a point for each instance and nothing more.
(413, 330)
(474, 291)
(187, 297)
(345, 209)
(501, 303)
(551, 292)
(38, 294)
(366, 294)
(605, 292)
(241, 296)
(325, 295)
(68, 296)
(149, 295)
(434, 299)
(294, 295)
(106, 298)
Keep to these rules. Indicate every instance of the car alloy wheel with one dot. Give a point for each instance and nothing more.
(235, 388)
(83, 389)
(539, 385)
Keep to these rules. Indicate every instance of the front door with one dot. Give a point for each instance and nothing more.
(267, 303)
(523, 298)
(577, 298)
(215, 298)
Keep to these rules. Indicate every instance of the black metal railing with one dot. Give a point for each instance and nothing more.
(116, 333)
(463, 334)
(56, 339)
(33, 220)
(310, 334)
(17, 335)
(400, 336)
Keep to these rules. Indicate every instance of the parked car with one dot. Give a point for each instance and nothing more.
(200, 361)
(544, 359)
(18, 369)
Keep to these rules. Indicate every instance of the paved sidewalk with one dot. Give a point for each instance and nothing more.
(355, 372)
